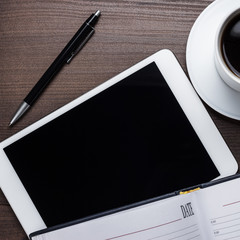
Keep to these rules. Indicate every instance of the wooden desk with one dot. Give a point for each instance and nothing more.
(32, 33)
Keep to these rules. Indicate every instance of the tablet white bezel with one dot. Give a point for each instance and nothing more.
(186, 96)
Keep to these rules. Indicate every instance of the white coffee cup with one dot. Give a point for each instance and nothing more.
(223, 68)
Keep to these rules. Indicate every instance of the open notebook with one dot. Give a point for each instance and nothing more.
(208, 211)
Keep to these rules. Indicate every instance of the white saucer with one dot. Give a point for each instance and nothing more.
(200, 60)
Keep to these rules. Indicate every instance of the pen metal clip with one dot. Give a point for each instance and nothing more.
(75, 52)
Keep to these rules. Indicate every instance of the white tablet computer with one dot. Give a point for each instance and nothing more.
(139, 135)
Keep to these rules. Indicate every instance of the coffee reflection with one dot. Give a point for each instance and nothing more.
(231, 45)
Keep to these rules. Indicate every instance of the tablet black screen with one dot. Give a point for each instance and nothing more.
(129, 143)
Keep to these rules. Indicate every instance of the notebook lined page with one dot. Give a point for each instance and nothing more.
(222, 209)
(172, 219)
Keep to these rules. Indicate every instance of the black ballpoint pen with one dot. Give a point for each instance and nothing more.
(71, 49)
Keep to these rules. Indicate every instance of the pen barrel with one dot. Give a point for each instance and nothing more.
(79, 38)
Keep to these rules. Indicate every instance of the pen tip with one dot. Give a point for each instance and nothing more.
(12, 122)
(21, 110)
(97, 13)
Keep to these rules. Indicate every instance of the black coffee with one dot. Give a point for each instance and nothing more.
(231, 45)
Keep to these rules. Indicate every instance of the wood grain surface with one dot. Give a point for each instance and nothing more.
(33, 32)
